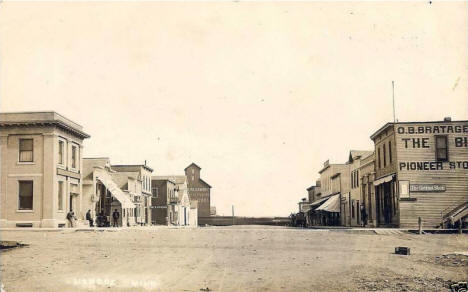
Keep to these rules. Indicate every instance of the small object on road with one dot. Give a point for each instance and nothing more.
(6, 244)
(402, 250)
(459, 287)
(206, 289)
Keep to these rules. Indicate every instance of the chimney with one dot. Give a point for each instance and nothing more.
(145, 162)
(447, 119)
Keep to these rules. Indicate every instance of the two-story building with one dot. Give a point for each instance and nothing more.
(164, 198)
(103, 194)
(313, 192)
(421, 171)
(366, 177)
(334, 185)
(198, 190)
(41, 169)
(142, 196)
(354, 206)
(180, 205)
(314, 197)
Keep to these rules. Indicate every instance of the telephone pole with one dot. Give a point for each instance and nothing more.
(232, 214)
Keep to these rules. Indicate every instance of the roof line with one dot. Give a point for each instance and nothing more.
(205, 182)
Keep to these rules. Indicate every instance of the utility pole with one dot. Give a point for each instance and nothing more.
(232, 214)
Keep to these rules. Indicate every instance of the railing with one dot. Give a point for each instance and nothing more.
(449, 211)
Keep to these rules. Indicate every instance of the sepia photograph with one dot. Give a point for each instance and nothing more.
(231, 146)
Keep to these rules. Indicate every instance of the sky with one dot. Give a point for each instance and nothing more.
(258, 94)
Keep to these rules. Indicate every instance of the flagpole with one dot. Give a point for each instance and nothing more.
(393, 98)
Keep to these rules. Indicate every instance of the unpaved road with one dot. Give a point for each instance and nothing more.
(241, 258)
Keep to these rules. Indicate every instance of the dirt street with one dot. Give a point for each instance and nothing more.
(241, 258)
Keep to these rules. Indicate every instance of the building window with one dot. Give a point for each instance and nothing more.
(25, 195)
(441, 148)
(369, 196)
(61, 191)
(73, 164)
(193, 171)
(384, 155)
(193, 177)
(357, 178)
(378, 158)
(154, 192)
(26, 150)
(61, 151)
(389, 151)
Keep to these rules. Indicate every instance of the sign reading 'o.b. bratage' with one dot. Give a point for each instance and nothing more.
(433, 129)
(427, 188)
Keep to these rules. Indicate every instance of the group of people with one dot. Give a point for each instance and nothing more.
(101, 219)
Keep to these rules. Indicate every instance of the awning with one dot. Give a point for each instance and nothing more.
(318, 202)
(331, 205)
(116, 192)
(384, 179)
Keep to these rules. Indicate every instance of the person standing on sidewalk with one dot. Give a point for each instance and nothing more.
(71, 218)
(89, 218)
(364, 215)
(115, 217)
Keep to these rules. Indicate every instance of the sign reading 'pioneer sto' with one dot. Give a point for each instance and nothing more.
(432, 165)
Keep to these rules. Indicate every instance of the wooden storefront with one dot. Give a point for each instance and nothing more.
(428, 162)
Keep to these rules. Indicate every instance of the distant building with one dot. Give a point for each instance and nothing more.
(304, 205)
(314, 195)
(198, 190)
(41, 164)
(313, 192)
(421, 171)
(213, 211)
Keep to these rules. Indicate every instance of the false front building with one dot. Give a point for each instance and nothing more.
(421, 171)
(103, 194)
(198, 190)
(142, 191)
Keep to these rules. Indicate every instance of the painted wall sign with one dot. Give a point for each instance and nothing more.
(437, 129)
(158, 207)
(199, 189)
(432, 165)
(427, 188)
